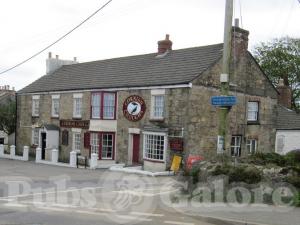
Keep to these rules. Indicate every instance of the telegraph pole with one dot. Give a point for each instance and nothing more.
(224, 77)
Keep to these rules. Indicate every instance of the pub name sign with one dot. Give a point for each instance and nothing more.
(84, 124)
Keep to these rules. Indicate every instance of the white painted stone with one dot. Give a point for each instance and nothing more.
(25, 153)
(93, 162)
(73, 159)
(1, 150)
(12, 151)
(54, 157)
(38, 154)
(286, 141)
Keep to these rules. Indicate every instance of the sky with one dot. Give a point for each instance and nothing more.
(126, 27)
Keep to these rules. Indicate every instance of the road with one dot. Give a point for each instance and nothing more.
(41, 194)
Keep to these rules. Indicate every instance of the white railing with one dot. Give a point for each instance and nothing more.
(12, 154)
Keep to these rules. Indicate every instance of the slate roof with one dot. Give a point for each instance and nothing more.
(287, 119)
(177, 67)
(51, 127)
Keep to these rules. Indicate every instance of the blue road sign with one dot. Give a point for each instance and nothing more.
(223, 100)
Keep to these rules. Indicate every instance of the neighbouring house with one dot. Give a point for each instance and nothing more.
(143, 109)
(7, 95)
(288, 122)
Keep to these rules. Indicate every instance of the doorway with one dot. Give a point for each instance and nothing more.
(43, 138)
(135, 148)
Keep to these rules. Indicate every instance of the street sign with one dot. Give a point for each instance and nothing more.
(223, 100)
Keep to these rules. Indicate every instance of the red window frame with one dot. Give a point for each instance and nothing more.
(100, 135)
(102, 105)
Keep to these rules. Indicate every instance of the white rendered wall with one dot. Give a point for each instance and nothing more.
(286, 141)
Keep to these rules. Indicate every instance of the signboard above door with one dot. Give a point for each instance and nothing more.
(84, 124)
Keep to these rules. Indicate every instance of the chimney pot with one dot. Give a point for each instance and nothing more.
(75, 59)
(50, 55)
(56, 56)
(236, 22)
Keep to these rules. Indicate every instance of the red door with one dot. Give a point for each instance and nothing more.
(135, 148)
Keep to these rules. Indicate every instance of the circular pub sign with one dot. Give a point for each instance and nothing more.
(134, 108)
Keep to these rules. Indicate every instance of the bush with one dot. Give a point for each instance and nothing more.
(293, 158)
(219, 170)
(297, 199)
(194, 173)
(275, 159)
(294, 180)
(249, 175)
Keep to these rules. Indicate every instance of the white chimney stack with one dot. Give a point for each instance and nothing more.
(53, 64)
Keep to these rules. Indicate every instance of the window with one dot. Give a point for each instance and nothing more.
(76, 141)
(55, 105)
(103, 144)
(35, 136)
(103, 105)
(154, 146)
(94, 143)
(158, 111)
(107, 146)
(77, 105)
(108, 105)
(252, 111)
(157, 103)
(96, 102)
(35, 105)
(236, 145)
(251, 146)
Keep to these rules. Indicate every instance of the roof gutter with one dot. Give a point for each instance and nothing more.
(188, 85)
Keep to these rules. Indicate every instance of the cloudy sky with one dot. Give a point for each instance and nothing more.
(126, 27)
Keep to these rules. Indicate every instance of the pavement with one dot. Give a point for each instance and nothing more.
(41, 194)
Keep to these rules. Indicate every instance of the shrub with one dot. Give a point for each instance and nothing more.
(294, 180)
(293, 158)
(249, 175)
(219, 170)
(194, 173)
(275, 158)
(297, 199)
(268, 158)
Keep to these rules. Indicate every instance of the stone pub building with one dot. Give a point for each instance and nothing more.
(143, 109)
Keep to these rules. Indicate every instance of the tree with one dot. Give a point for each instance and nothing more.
(8, 117)
(280, 59)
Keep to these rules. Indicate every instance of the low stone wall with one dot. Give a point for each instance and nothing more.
(12, 154)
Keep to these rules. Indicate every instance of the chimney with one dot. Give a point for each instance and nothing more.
(53, 64)
(285, 94)
(164, 45)
(239, 40)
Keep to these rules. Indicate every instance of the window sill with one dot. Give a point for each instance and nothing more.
(76, 118)
(157, 119)
(35, 116)
(55, 117)
(253, 123)
(102, 119)
(154, 160)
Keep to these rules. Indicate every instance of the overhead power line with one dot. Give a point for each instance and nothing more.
(59, 39)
